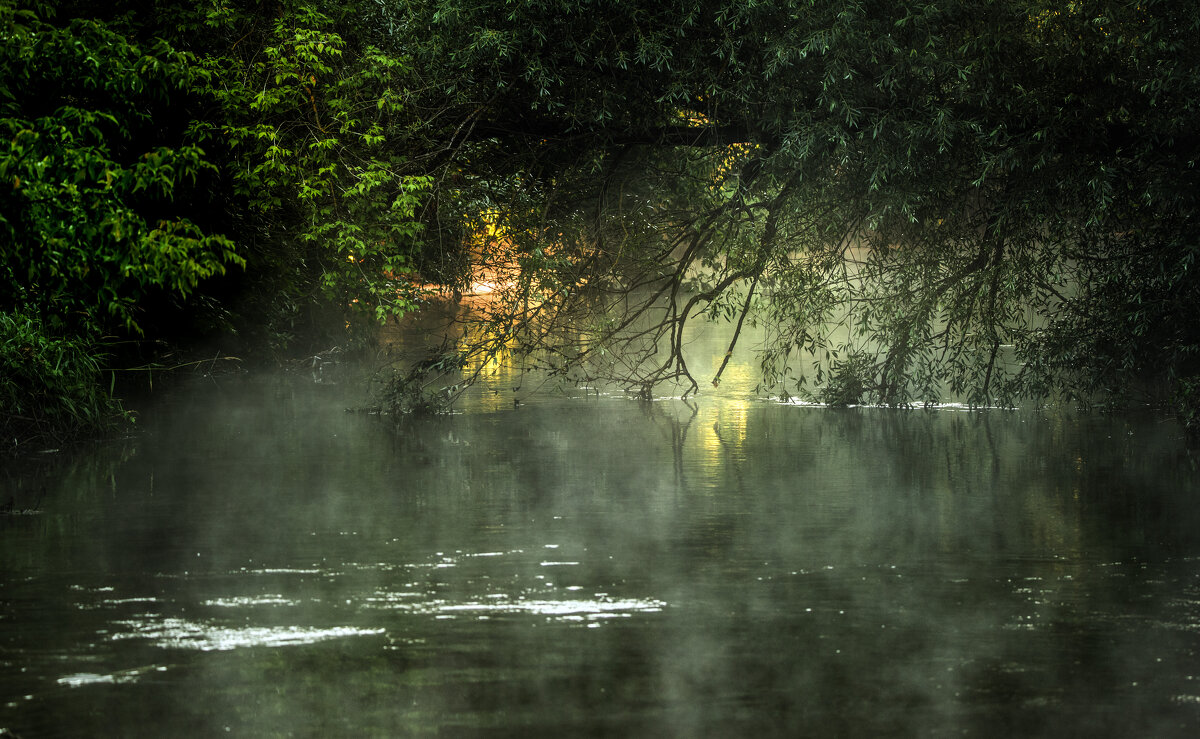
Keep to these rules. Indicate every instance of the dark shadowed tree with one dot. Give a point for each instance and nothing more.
(990, 200)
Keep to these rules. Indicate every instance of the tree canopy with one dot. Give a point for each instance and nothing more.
(914, 200)
(987, 199)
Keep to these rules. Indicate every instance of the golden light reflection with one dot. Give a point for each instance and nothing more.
(726, 433)
(723, 433)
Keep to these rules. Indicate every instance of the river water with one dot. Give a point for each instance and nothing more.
(256, 561)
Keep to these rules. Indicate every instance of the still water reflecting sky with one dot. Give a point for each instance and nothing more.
(259, 562)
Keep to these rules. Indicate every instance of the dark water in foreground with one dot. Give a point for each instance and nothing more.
(259, 562)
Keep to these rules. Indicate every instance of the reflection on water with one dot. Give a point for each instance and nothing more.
(125, 676)
(261, 563)
(563, 610)
(175, 633)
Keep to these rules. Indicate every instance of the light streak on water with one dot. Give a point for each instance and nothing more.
(177, 633)
(265, 600)
(498, 604)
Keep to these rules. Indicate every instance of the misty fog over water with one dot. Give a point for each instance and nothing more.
(259, 562)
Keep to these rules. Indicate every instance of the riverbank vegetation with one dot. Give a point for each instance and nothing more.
(913, 200)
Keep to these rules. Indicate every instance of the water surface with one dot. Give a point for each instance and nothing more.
(259, 562)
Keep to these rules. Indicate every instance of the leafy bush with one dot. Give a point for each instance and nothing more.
(849, 380)
(141, 160)
(423, 389)
(50, 386)
(302, 120)
(88, 229)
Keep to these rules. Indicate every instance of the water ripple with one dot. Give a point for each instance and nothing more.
(601, 607)
(177, 633)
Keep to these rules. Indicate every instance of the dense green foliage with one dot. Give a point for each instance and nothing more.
(168, 161)
(985, 200)
(89, 227)
(304, 122)
(911, 200)
(88, 221)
